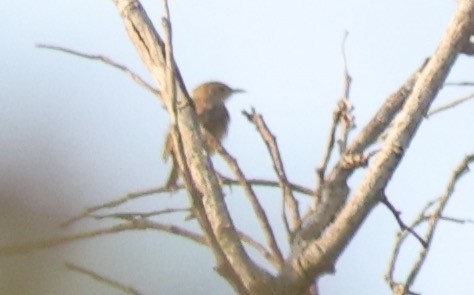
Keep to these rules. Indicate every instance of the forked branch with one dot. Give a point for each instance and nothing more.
(432, 220)
(288, 196)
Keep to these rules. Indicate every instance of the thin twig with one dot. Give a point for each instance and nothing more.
(401, 236)
(153, 191)
(140, 216)
(48, 243)
(135, 224)
(140, 81)
(403, 226)
(257, 207)
(268, 183)
(114, 203)
(135, 215)
(432, 222)
(346, 114)
(449, 105)
(102, 279)
(144, 223)
(342, 115)
(453, 219)
(321, 170)
(462, 168)
(384, 116)
(260, 249)
(270, 142)
(459, 84)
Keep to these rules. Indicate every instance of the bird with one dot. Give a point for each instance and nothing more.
(209, 100)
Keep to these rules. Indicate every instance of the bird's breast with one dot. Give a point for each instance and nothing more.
(215, 120)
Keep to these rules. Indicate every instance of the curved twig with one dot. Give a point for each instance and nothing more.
(268, 183)
(140, 81)
(270, 142)
(432, 220)
(136, 224)
(102, 279)
(113, 204)
(451, 104)
(257, 207)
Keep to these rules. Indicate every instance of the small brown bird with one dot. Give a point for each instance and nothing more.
(209, 101)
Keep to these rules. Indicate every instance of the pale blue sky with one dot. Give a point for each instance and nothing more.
(76, 133)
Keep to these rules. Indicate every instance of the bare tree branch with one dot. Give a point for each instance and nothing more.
(140, 81)
(466, 83)
(438, 210)
(347, 119)
(449, 105)
(397, 288)
(48, 243)
(100, 278)
(268, 183)
(270, 142)
(134, 215)
(135, 224)
(341, 114)
(317, 256)
(140, 217)
(156, 191)
(321, 170)
(317, 242)
(384, 116)
(273, 259)
(455, 220)
(400, 222)
(332, 191)
(257, 207)
(113, 204)
(432, 221)
(205, 191)
(199, 176)
(170, 67)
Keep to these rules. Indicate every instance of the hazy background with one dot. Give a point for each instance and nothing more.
(75, 133)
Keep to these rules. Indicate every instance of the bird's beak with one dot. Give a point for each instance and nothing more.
(238, 91)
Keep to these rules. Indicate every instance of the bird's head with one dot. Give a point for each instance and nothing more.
(215, 90)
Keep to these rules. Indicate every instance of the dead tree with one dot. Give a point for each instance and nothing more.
(316, 235)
